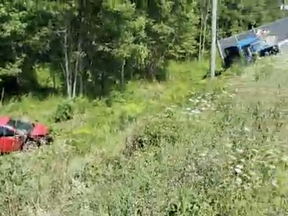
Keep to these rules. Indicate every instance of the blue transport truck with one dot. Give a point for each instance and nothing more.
(247, 49)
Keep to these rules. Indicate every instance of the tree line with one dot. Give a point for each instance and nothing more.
(93, 46)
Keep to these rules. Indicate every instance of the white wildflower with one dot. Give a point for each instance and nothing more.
(240, 151)
(238, 181)
(238, 171)
(195, 111)
(239, 166)
(203, 154)
(285, 159)
(274, 183)
(228, 145)
(247, 129)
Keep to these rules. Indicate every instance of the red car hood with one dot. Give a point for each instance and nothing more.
(39, 130)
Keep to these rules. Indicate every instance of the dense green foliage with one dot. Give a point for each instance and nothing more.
(90, 47)
(217, 152)
(177, 147)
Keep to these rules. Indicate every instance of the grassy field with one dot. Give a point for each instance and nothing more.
(179, 148)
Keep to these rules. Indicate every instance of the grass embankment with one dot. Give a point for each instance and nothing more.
(218, 153)
(95, 132)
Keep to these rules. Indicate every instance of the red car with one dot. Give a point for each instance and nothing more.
(17, 135)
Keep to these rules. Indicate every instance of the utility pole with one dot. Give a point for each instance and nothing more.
(214, 38)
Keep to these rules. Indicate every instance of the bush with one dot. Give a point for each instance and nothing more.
(64, 112)
(154, 132)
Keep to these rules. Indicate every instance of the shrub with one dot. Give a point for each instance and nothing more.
(154, 132)
(63, 112)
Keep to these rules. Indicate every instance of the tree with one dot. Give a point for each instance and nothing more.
(94, 45)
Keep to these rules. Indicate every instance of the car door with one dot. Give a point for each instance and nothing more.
(9, 142)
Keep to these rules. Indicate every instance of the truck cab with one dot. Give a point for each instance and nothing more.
(262, 48)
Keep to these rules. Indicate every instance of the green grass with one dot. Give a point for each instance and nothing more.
(95, 133)
(231, 159)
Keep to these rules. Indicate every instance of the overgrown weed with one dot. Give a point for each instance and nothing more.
(230, 158)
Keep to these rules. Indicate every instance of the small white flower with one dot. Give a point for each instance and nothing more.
(240, 151)
(196, 111)
(272, 167)
(228, 145)
(274, 183)
(251, 173)
(247, 129)
(239, 166)
(238, 171)
(285, 159)
(232, 157)
(238, 181)
(203, 154)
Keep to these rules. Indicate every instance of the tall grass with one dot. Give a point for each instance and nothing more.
(216, 153)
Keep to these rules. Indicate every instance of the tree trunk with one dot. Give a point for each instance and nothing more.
(123, 75)
(77, 67)
(67, 70)
(200, 38)
(204, 35)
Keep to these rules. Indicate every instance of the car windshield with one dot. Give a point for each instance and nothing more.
(20, 125)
